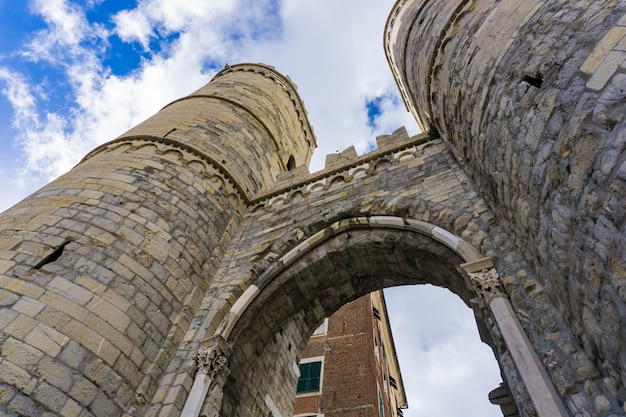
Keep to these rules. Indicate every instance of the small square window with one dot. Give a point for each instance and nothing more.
(310, 377)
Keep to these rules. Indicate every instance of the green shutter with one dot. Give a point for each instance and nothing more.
(310, 374)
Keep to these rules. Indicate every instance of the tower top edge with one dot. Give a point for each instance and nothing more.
(284, 81)
(395, 10)
(390, 40)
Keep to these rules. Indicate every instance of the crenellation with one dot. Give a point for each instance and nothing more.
(368, 162)
(340, 158)
(205, 222)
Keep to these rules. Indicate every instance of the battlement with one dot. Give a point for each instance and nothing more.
(348, 160)
(384, 142)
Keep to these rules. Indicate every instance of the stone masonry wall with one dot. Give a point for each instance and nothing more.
(100, 279)
(103, 270)
(114, 275)
(413, 178)
(248, 121)
(530, 97)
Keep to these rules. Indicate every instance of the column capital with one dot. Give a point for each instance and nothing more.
(213, 356)
(484, 280)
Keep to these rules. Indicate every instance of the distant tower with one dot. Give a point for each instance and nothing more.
(104, 268)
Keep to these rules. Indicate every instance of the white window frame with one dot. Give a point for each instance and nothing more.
(381, 402)
(322, 329)
(318, 392)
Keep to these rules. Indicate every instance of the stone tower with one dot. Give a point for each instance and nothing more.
(180, 268)
(530, 97)
(104, 268)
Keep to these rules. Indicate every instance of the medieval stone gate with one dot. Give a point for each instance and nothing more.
(179, 269)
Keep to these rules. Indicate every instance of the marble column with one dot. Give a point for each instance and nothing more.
(485, 282)
(211, 362)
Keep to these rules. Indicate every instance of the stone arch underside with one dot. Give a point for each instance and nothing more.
(418, 181)
(273, 330)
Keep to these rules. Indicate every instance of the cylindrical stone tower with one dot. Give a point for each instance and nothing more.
(102, 269)
(530, 96)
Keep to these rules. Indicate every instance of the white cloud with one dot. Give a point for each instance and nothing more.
(154, 19)
(41, 140)
(67, 28)
(447, 371)
(132, 26)
(103, 106)
(333, 51)
(18, 92)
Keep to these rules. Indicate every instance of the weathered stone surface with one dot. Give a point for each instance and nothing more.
(204, 220)
(537, 119)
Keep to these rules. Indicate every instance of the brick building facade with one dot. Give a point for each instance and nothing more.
(350, 368)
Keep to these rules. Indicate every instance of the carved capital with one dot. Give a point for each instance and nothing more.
(212, 358)
(483, 280)
(486, 284)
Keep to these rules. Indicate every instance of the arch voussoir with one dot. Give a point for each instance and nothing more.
(350, 258)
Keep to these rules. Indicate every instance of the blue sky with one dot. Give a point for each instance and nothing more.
(75, 74)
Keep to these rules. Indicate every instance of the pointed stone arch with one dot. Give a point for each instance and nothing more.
(270, 323)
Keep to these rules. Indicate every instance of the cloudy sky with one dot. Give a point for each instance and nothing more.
(75, 74)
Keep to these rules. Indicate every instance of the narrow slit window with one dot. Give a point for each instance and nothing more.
(56, 254)
(534, 81)
(291, 164)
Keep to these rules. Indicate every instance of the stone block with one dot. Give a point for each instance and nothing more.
(53, 318)
(83, 391)
(169, 410)
(18, 377)
(20, 353)
(7, 316)
(91, 340)
(71, 409)
(55, 373)
(607, 68)
(113, 337)
(110, 313)
(65, 305)
(24, 406)
(176, 396)
(21, 287)
(46, 339)
(602, 49)
(28, 306)
(102, 406)
(5, 265)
